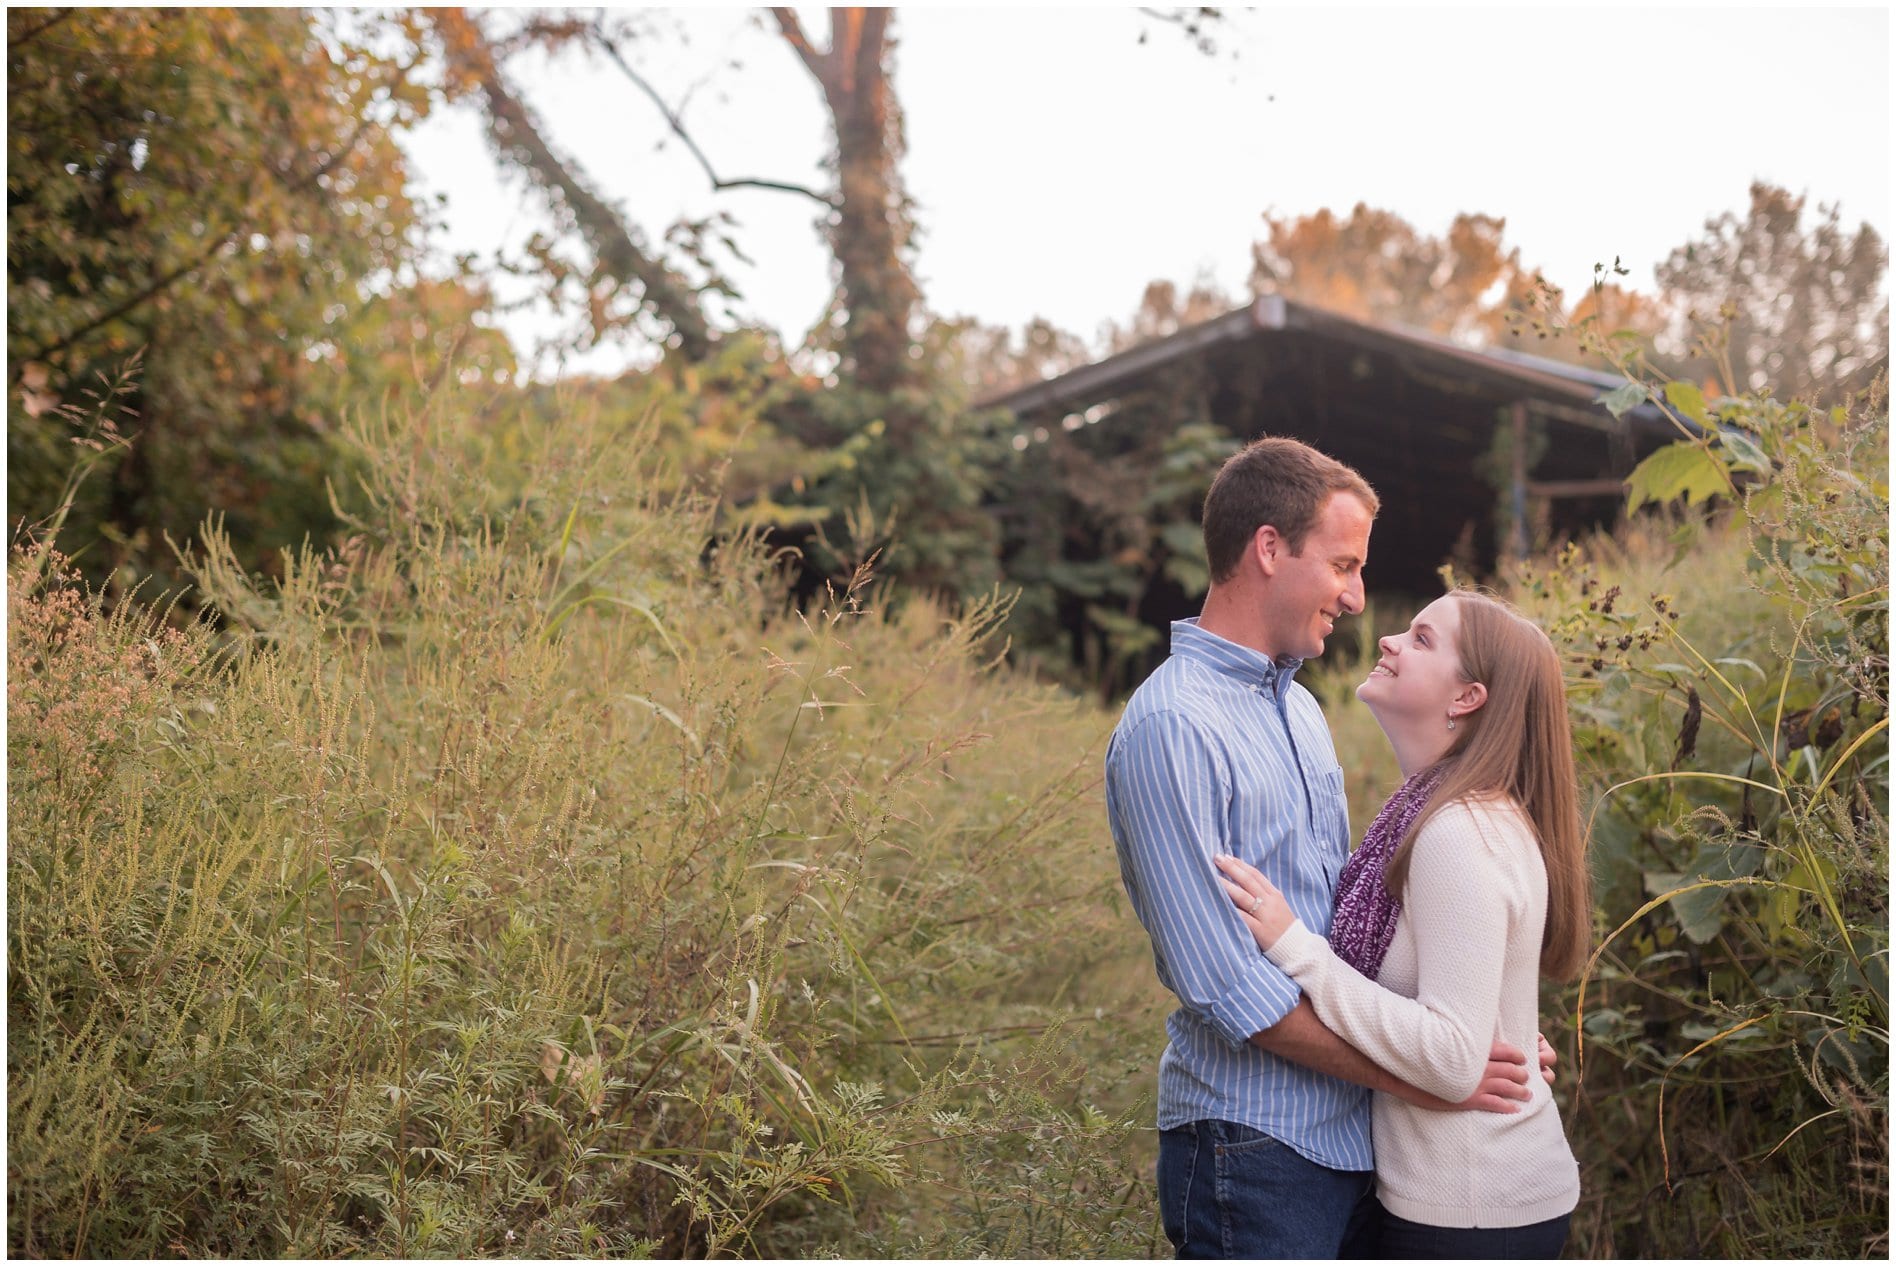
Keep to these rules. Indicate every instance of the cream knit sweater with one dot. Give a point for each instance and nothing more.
(1462, 970)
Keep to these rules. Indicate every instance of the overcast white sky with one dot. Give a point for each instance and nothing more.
(1058, 165)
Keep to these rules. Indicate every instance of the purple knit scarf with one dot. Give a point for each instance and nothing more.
(1365, 919)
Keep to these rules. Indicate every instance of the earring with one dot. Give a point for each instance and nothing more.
(1451, 721)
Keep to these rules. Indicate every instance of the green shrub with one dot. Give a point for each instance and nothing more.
(1729, 685)
(1730, 689)
(1728, 679)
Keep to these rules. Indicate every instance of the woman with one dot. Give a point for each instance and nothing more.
(1472, 876)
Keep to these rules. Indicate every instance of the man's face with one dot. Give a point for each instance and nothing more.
(1310, 591)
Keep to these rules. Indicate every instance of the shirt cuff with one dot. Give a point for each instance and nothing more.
(1298, 949)
(1263, 997)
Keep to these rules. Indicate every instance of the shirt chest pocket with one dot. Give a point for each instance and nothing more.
(1332, 818)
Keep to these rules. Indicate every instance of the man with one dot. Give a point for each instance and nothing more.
(1264, 1145)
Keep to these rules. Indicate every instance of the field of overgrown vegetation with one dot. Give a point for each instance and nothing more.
(528, 876)
(659, 813)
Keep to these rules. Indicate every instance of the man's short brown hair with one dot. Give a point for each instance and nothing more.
(1277, 481)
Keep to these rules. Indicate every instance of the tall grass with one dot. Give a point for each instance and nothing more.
(525, 877)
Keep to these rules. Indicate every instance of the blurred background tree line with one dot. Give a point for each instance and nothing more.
(222, 193)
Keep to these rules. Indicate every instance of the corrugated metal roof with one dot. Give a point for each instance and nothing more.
(1570, 391)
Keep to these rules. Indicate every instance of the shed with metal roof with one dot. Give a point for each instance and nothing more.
(1426, 420)
(1475, 453)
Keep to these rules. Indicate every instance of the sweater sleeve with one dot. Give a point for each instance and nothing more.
(1461, 899)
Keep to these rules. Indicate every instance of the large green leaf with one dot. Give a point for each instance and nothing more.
(1689, 401)
(1745, 454)
(1680, 468)
(1623, 398)
(1186, 564)
(1701, 912)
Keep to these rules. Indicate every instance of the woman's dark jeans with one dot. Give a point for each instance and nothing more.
(1399, 1238)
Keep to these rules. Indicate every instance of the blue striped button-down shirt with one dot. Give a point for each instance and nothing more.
(1220, 751)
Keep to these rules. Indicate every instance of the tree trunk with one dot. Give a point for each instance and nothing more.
(871, 229)
(618, 252)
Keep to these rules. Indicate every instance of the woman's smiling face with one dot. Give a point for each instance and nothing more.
(1416, 682)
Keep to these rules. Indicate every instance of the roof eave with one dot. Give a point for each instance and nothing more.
(1568, 388)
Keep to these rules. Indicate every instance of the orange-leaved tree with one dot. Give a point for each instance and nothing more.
(221, 191)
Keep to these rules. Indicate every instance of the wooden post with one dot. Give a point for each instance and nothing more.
(1517, 482)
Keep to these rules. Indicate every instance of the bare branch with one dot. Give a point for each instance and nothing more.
(678, 129)
(618, 250)
(549, 33)
(29, 36)
(1196, 23)
(792, 29)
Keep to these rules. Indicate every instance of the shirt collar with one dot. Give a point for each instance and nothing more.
(1245, 664)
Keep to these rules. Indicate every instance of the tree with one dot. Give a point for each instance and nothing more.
(624, 270)
(1801, 310)
(222, 190)
(866, 216)
(881, 435)
(990, 359)
(887, 441)
(1375, 266)
(1618, 310)
(1163, 311)
(870, 233)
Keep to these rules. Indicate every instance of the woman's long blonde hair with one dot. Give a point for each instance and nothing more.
(1519, 743)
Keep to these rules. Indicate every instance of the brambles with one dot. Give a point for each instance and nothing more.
(1727, 676)
(1734, 729)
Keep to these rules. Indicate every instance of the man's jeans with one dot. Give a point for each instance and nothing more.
(1228, 1191)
